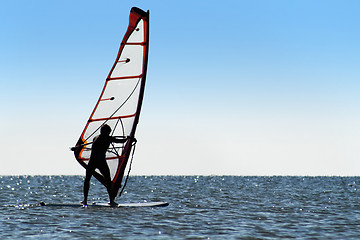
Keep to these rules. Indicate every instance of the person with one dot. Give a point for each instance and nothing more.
(98, 161)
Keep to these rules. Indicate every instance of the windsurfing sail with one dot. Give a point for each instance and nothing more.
(120, 101)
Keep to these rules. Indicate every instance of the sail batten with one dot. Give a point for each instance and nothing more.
(126, 77)
(112, 118)
(134, 43)
(120, 101)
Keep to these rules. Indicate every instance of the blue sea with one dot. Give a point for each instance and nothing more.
(201, 207)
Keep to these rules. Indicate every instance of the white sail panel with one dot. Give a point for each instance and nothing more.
(130, 62)
(115, 105)
(113, 163)
(138, 36)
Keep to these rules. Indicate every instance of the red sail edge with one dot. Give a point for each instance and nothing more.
(84, 143)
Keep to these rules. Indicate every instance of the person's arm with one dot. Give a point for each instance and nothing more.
(119, 139)
(81, 145)
(122, 139)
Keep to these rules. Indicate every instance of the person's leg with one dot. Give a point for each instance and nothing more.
(109, 185)
(89, 172)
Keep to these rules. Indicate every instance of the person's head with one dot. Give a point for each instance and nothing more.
(105, 130)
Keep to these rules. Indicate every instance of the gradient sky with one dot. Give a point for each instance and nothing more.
(233, 88)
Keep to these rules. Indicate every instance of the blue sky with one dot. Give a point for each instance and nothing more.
(233, 87)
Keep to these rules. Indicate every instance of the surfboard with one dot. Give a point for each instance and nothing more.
(105, 205)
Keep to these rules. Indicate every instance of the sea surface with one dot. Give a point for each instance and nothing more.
(201, 207)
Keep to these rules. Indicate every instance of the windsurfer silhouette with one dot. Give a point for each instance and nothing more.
(97, 160)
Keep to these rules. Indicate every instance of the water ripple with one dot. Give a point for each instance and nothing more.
(201, 207)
